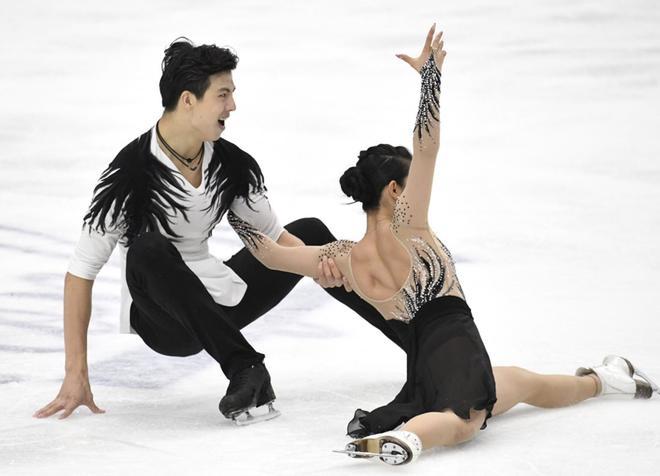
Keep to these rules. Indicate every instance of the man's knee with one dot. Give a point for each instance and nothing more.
(311, 230)
(182, 347)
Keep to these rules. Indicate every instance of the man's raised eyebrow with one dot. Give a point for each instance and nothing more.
(225, 88)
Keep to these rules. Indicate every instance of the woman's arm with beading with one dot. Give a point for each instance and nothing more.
(415, 199)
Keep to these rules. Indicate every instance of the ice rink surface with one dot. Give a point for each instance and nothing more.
(547, 192)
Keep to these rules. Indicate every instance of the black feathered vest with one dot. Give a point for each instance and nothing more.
(137, 192)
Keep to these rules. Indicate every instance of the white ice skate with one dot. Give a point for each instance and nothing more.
(392, 447)
(617, 377)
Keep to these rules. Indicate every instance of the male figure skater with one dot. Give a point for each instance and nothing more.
(160, 199)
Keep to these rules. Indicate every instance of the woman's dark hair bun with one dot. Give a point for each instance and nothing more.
(355, 185)
(376, 167)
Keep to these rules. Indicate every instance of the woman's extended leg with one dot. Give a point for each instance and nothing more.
(516, 385)
(445, 428)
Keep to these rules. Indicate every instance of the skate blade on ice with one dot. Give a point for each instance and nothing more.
(636, 371)
(654, 386)
(248, 417)
(363, 454)
(387, 451)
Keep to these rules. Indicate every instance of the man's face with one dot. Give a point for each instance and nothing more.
(212, 110)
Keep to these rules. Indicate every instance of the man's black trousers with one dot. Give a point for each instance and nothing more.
(175, 315)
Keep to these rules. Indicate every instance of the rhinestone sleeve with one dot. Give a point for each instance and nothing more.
(429, 101)
(250, 236)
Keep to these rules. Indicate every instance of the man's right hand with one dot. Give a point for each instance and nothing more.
(329, 275)
(75, 391)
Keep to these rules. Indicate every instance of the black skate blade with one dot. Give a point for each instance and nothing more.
(654, 386)
(363, 454)
(249, 418)
(384, 448)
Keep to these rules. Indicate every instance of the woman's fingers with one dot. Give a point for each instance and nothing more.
(439, 52)
(437, 40)
(440, 58)
(405, 58)
(433, 42)
(429, 39)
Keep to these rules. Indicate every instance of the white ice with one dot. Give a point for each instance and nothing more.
(547, 192)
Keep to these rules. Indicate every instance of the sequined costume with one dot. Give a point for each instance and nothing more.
(447, 364)
(448, 367)
(432, 271)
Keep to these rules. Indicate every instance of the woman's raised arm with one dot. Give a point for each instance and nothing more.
(426, 134)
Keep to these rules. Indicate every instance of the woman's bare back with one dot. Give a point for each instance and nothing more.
(380, 265)
(397, 268)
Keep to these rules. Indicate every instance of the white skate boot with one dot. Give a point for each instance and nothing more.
(617, 377)
(393, 447)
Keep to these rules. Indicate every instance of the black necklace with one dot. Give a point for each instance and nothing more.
(184, 160)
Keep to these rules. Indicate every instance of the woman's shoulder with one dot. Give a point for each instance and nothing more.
(337, 249)
(340, 252)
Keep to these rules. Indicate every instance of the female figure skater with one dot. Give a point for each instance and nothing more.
(403, 270)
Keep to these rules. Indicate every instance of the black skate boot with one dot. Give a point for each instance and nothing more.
(248, 389)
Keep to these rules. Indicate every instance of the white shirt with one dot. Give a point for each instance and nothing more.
(225, 286)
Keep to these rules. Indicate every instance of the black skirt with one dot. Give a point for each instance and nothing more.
(448, 369)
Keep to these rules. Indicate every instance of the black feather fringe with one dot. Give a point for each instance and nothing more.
(135, 194)
(231, 173)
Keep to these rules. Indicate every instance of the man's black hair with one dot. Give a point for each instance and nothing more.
(187, 67)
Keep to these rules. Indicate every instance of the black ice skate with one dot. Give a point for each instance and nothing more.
(248, 389)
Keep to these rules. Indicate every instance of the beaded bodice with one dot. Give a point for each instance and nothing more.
(432, 271)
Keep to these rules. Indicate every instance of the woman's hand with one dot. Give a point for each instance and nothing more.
(431, 45)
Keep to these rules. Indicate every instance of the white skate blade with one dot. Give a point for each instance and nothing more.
(246, 418)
